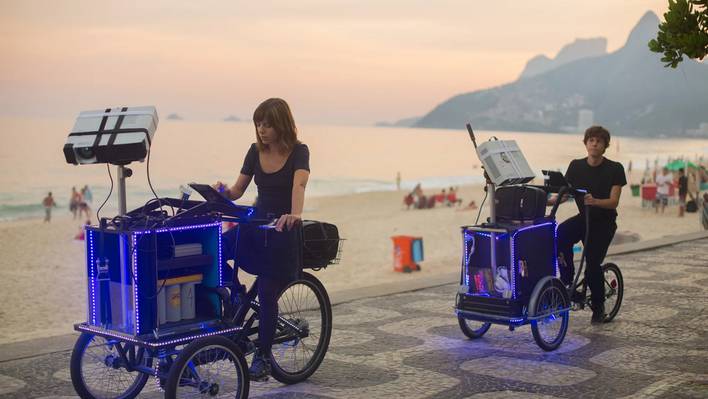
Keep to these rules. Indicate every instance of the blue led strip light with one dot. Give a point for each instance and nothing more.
(466, 260)
(555, 249)
(136, 307)
(92, 279)
(512, 267)
(218, 265)
(158, 344)
(181, 228)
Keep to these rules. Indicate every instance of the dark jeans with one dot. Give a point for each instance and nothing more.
(600, 237)
(268, 290)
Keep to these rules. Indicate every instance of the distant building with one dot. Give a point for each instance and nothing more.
(702, 130)
(586, 118)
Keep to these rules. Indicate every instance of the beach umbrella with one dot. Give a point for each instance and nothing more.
(678, 164)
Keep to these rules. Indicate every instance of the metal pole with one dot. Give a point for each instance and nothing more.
(122, 210)
(492, 235)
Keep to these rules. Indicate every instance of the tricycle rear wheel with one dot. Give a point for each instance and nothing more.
(473, 329)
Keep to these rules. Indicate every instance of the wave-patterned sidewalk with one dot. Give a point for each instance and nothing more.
(408, 345)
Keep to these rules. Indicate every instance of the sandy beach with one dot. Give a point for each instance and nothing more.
(43, 268)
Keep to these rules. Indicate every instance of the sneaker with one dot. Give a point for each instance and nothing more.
(598, 315)
(260, 367)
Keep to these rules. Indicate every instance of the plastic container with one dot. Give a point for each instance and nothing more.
(161, 311)
(187, 300)
(173, 298)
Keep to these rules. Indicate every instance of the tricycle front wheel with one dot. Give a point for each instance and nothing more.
(550, 322)
(99, 371)
(208, 367)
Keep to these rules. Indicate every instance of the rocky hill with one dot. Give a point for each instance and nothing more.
(629, 91)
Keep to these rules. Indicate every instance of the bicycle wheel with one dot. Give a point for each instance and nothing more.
(98, 371)
(208, 367)
(614, 290)
(550, 327)
(303, 305)
(471, 328)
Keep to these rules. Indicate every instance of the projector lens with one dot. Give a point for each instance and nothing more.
(85, 152)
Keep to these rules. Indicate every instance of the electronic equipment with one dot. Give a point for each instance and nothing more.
(504, 162)
(554, 180)
(518, 203)
(113, 135)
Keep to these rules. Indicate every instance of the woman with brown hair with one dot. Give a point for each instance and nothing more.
(279, 164)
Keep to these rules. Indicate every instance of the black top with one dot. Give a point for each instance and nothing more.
(598, 180)
(683, 185)
(275, 189)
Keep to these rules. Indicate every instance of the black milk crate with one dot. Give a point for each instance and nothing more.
(321, 244)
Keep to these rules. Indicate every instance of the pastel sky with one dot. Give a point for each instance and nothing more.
(336, 62)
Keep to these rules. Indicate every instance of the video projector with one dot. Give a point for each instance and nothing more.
(504, 162)
(116, 136)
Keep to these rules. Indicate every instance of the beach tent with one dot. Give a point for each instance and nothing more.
(678, 164)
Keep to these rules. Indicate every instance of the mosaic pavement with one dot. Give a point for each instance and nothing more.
(410, 346)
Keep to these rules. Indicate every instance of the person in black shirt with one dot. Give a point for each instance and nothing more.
(279, 164)
(603, 179)
(682, 191)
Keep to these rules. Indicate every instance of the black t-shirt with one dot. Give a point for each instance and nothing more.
(683, 185)
(598, 180)
(275, 189)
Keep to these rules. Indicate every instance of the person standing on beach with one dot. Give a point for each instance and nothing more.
(398, 181)
(682, 191)
(280, 165)
(86, 194)
(603, 179)
(74, 202)
(663, 181)
(48, 203)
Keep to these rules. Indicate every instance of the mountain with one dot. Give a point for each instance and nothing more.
(580, 48)
(174, 117)
(628, 91)
(405, 122)
(232, 118)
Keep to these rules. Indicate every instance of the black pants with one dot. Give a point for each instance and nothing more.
(268, 287)
(600, 237)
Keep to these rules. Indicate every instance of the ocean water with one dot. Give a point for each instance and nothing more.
(343, 159)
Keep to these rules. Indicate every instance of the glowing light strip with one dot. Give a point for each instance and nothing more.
(512, 267)
(180, 228)
(555, 249)
(219, 265)
(466, 259)
(136, 307)
(92, 279)
(532, 227)
(155, 345)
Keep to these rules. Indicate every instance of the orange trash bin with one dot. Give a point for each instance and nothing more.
(407, 251)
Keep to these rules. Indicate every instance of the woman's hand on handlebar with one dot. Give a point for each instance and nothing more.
(588, 199)
(287, 221)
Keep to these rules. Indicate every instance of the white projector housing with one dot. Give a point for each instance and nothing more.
(117, 136)
(504, 162)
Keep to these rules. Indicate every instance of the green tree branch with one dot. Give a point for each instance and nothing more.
(683, 32)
